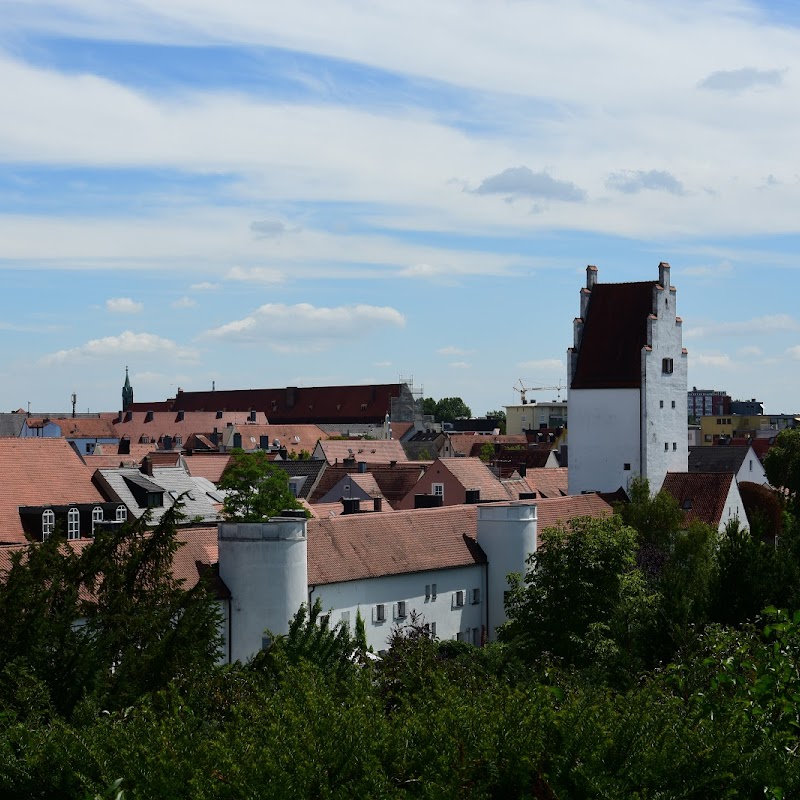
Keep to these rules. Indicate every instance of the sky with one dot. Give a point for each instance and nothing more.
(341, 192)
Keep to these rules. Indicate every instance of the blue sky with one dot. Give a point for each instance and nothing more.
(338, 192)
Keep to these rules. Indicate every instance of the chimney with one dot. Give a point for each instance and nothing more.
(377, 504)
(473, 496)
(663, 274)
(393, 463)
(591, 277)
(522, 469)
(352, 505)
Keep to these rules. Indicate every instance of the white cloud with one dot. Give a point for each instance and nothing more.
(523, 182)
(710, 270)
(305, 327)
(794, 352)
(711, 360)
(382, 364)
(750, 351)
(739, 80)
(205, 286)
(256, 275)
(184, 302)
(127, 343)
(454, 351)
(459, 365)
(123, 305)
(771, 323)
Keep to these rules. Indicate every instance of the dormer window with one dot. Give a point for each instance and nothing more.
(122, 514)
(48, 523)
(73, 524)
(97, 516)
(666, 366)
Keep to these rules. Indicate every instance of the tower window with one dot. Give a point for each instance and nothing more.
(666, 366)
(666, 446)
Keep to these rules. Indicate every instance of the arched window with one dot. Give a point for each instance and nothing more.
(97, 516)
(122, 514)
(48, 523)
(73, 524)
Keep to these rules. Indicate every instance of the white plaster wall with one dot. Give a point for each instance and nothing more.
(350, 596)
(265, 566)
(665, 444)
(734, 508)
(507, 534)
(752, 469)
(603, 437)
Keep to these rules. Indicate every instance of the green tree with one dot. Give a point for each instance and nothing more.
(782, 465)
(255, 489)
(486, 453)
(447, 409)
(654, 517)
(583, 600)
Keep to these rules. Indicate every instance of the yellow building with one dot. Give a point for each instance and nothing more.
(534, 416)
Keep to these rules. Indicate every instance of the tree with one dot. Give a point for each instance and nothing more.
(782, 465)
(255, 489)
(447, 409)
(583, 600)
(486, 453)
(654, 518)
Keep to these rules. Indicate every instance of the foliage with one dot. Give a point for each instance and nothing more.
(764, 509)
(255, 489)
(655, 518)
(447, 409)
(486, 452)
(584, 600)
(782, 465)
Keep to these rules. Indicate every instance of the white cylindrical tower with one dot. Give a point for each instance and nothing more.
(265, 566)
(507, 534)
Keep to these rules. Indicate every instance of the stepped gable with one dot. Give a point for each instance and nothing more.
(40, 472)
(615, 331)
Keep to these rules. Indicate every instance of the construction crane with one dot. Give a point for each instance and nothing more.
(523, 390)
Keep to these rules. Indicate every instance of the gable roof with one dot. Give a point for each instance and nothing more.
(614, 333)
(546, 483)
(85, 427)
(395, 482)
(717, 459)
(209, 466)
(373, 451)
(472, 473)
(138, 424)
(701, 495)
(293, 437)
(40, 472)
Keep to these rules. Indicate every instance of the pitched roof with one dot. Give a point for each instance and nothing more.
(356, 546)
(614, 333)
(701, 495)
(11, 423)
(138, 424)
(40, 472)
(546, 483)
(472, 473)
(85, 428)
(716, 459)
(209, 466)
(373, 451)
(293, 437)
(394, 482)
(555, 510)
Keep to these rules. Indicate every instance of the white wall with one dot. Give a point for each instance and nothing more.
(507, 534)
(348, 597)
(603, 437)
(265, 566)
(734, 508)
(665, 445)
(752, 469)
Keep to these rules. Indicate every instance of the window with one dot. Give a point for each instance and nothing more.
(380, 613)
(458, 599)
(48, 523)
(433, 591)
(626, 466)
(751, 465)
(89, 448)
(666, 446)
(661, 404)
(427, 591)
(73, 524)
(122, 514)
(437, 489)
(666, 366)
(430, 628)
(346, 619)
(179, 440)
(324, 621)
(145, 439)
(400, 611)
(673, 404)
(476, 596)
(708, 437)
(476, 636)
(462, 636)
(674, 445)
(97, 516)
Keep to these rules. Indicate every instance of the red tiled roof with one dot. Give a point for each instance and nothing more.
(701, 495)
(293, 437)
(209, 466)
(614, 333)
(38, 472)
(355, 546)
(373, 451)
(85, 428)
(546, 483)
(394, 482)
(555, 510)
(168, 423)
(472, 473)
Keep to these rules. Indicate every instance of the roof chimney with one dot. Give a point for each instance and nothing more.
(591, 277)
(663, 274)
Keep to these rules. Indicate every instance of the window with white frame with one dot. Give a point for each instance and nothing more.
(73, 524)
(122, 514)
(379, 613)
(437, 489)
(48, 523)
(97, 516)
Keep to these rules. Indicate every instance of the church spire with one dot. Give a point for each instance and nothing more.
(127, 392)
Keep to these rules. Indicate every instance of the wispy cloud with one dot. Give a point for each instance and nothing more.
(739, 80)
(635, 181)
(269, 228)
(459, 365)
(127, 343)
(184, 302)
(305, 327)
(711, 359)
(709, 271)
(771, 323)
(123, 305)
(454, 351)
(204, 286)
(256, 275)
(542, 364)
(524, 182)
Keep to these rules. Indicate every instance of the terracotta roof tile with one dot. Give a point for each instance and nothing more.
(293, 437)
(701, 495)
(85, 428)
(38, 472)
(210, 466)
(472, 473)
(373, 451)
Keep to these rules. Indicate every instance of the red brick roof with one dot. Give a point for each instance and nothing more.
(472, 473)
(168, 423)
(39, 472)
(555, 510)
(85, 428)
(614, 333)
(701, 495)
(355, 546)
(293, 437)
(209, 466)
(373, 451)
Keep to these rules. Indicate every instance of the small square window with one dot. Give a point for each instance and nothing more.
(626, 466)
(437, 489)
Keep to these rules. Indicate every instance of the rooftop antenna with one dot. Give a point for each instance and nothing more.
(74, 401)
(213, 386)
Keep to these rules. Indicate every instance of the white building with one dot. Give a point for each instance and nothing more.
(627, 385)
(447, 567)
